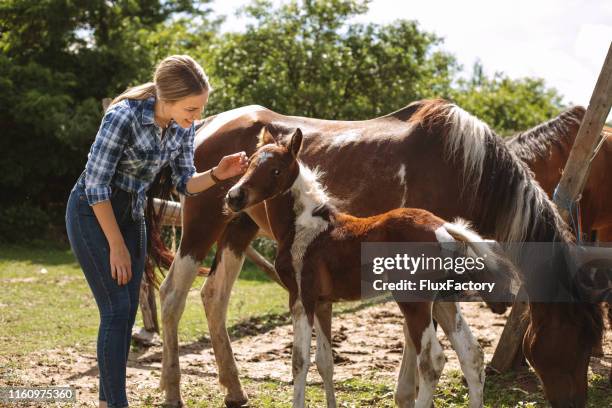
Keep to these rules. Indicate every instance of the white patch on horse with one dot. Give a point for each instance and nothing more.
(307, 193)
(302, 336)
(471, 358)
(222, 119)
(344, 139)
(430, 363)
(401, 174)
(447, 242)
(477, 245)
(469, 352)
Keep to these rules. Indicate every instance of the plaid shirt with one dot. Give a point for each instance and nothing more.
(128, 152)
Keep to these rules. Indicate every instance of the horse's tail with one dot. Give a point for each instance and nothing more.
(160, 257)
(499, 267)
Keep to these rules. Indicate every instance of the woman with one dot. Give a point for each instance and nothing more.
(145, 128)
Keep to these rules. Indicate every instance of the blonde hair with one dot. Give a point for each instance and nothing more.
(175, 78)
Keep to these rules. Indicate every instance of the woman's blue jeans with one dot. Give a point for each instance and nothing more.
(117, 304)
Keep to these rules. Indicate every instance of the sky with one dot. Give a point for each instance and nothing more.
(562, 41)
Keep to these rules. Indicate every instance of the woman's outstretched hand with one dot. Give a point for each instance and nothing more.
(231, 165)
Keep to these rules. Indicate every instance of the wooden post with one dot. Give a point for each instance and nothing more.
(509, 349)
(148, 307)
(578, 163)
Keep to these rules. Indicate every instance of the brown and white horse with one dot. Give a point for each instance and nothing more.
(431, 155)
(319, 261)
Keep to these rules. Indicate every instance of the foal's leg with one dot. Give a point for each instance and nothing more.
(324, 358)
(430, 362)
(405, 392)
(471, 356)
(430, 357)
(300, 359)
(215, 296)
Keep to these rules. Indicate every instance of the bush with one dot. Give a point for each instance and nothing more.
(23, 223)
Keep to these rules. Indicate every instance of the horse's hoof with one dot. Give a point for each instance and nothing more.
(237, 404)
(172, 404)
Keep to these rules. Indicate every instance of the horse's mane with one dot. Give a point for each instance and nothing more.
(559, 131)
(508, 202)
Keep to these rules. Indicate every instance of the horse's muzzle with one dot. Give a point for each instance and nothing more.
(236, 199)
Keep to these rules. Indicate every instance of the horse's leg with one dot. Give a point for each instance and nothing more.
(405, 392)
(215, 296)
(469, 352)
(300, 358)
(173, 293)
(324, 357)
(194, 246)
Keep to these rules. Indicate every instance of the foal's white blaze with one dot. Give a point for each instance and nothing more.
(307, 193)
(263, 157)
(222, 119)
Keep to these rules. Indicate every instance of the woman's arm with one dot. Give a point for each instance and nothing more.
(101, 166)
(188, 182)
(228, 167)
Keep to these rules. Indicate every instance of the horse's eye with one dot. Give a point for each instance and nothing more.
(276, 172)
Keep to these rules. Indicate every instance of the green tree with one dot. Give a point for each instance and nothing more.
(307, 58)
(507, 105)
(58, 59)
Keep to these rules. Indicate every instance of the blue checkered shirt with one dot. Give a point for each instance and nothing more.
(129, 151)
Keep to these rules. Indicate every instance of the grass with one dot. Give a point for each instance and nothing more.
(29, 298)
(40, 311)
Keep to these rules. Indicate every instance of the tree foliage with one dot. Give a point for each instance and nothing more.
(308, 59)
(508, 105)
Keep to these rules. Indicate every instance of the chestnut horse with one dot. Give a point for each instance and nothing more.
(545, 149)
(431, 155)
(319, 261)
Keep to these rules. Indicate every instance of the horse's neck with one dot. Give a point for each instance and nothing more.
(290, 214)
(307, 195)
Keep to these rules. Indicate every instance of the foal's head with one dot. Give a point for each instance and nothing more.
(272, 170)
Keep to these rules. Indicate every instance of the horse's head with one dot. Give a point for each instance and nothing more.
(272, 170)
(559, 350)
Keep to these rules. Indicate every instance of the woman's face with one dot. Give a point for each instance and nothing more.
(185, 111)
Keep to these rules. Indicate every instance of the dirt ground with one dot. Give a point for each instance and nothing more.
(366, 342)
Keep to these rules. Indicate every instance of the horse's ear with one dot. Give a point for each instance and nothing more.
(296, 142)
(265, 137)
